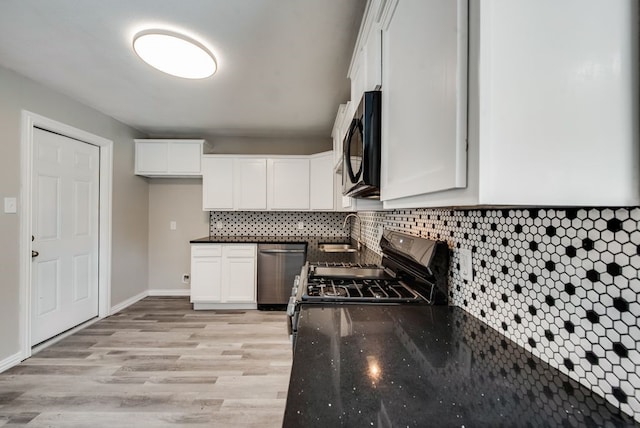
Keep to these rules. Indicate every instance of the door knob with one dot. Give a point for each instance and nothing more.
(34, 253)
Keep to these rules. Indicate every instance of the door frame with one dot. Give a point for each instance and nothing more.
(29, 121)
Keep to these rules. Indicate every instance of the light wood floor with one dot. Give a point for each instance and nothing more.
(156, 364)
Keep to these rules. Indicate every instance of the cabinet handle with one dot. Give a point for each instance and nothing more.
(34, 253)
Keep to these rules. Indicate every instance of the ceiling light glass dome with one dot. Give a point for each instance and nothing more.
(174, 54)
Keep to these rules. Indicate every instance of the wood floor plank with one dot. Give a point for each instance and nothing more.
(157, 363)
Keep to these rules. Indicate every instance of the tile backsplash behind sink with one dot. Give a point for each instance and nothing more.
(562, 283)
(276, 223)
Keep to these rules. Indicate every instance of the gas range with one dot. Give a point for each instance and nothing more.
(413, 271)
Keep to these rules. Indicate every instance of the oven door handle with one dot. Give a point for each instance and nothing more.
(281, 251)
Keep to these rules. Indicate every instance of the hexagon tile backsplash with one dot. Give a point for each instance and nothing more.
(562, 283)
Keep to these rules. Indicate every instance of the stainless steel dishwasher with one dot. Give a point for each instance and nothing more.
(278, 264)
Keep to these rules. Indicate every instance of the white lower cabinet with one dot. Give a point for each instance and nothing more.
(223, 276)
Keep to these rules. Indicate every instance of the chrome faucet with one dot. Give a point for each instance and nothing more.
(344, 225)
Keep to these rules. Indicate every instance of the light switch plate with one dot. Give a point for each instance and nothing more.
(466, 264)
(173, 225)
(10, 205)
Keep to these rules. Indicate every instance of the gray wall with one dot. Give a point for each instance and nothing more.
(178, 200)
(130, 195)
(271, 146)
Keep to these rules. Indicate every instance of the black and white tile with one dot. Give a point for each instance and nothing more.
(562, 283)
(276, 223)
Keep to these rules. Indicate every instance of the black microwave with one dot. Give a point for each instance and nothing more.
(361, 150)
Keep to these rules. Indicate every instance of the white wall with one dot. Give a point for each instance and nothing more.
(130, 194)
(178, 200)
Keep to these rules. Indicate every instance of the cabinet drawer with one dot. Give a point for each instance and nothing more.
(206, 250)
(239, 250)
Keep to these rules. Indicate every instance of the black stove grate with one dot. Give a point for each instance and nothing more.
(345, 264)
(362, 290)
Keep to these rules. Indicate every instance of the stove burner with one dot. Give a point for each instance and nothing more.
(334, 292)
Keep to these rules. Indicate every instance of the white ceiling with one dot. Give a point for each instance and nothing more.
(282, 63)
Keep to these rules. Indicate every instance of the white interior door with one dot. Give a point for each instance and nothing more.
(65, 195)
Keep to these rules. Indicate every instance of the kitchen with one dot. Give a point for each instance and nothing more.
(528, 227)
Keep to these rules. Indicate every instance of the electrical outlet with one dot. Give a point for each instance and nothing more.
(219, 225)
(466, 264)
(185, 278)
(300, 225)
(173, 225)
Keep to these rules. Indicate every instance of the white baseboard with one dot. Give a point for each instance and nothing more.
(10, 361)
(167, 292)
(130, 301)
(213, 306)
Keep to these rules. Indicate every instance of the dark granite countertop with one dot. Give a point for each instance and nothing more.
(365, 256)
(254, 240)
(418, 366)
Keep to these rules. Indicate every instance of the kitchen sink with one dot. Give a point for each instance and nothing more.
(336, 248)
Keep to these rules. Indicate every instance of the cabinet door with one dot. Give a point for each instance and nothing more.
(288, 184)
(206, 271)
(217, 184)
(358, 76)
(184, 158)
(250, 184)
(321, 182)
(373, 60)
(152, 158)
(239, 273)
(559, 112)
(424, 100)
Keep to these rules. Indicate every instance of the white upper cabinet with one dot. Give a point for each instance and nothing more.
(250, 184)
(254, 183)
(288, 182)
(168, 158)
(365, 71)
(230, 183)
(557, 114)
(424, 100)
(553, 106)
(338, 136)
(321, 182)
(217, 183)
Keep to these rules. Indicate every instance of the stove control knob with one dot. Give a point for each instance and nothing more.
(296, 281)
(291, 307)
(294, 290)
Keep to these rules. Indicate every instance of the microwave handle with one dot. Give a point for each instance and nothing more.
(356, 124)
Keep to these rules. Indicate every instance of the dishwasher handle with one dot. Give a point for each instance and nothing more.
(281, 251)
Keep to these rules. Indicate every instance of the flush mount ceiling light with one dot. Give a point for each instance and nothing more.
(174, 54)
